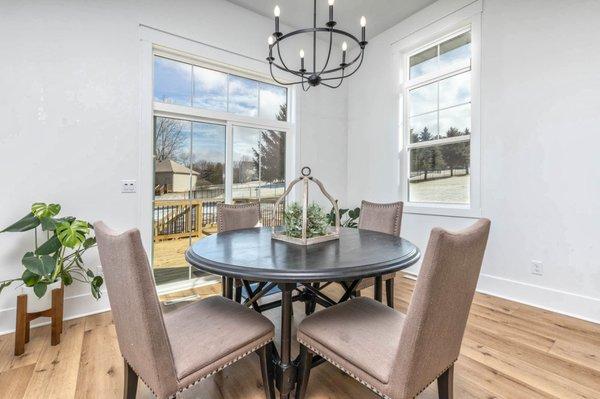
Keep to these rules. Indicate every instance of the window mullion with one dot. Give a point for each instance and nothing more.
(229, 163)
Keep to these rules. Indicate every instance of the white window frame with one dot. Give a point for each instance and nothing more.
(450, 26)
(159, 43)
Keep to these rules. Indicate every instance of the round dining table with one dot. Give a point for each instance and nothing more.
(253, 257)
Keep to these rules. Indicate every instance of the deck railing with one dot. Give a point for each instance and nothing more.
(180, 218)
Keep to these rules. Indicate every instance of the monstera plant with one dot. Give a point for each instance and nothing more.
(60, 256)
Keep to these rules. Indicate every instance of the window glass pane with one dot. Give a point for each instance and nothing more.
(455, 121)
(243, 96)
(273, 102)
(455, 90)
(259, 169)
(423, 127)
(210, 89)
(423, 99)
(424, 62)
(245, 163)
(208, 161)
(172, 231)
(440, 174)
(456, 51)
(172, 82)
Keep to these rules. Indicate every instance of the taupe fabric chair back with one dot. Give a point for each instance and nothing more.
(136, 312)
(384, 218)
(236, 217)
(439, 308)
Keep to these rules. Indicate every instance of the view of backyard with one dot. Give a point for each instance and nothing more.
(190, 157)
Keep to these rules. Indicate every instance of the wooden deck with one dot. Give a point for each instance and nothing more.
(171, 253)
(510, 351)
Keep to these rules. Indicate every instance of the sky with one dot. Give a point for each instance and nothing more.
(444, 104)
(183, 84)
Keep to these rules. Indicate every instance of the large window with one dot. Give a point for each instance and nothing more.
(218, 137)
(437, 114)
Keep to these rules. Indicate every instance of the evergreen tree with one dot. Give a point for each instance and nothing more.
(269, 156)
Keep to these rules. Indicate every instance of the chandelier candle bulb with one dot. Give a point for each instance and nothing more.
(301, 60)
(363, 24)
(331, 10)
(276, 11)
(344, 48)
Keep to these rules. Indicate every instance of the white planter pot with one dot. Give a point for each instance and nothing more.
(35, 304)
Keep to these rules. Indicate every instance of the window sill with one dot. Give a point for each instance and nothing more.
(450, 210)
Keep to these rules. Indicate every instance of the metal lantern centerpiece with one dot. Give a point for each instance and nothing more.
(332, 234)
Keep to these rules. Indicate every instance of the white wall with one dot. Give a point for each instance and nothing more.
(539, 161)
(71, 110)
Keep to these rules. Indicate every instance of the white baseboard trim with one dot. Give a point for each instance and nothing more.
(74, 307)
(566, 303)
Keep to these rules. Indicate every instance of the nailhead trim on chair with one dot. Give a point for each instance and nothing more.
(339, 366)
(371, 387)
(254, 349)
(221, 206)
(397, 220)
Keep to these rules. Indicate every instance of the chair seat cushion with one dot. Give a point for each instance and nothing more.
(361, 336)
(208, 334)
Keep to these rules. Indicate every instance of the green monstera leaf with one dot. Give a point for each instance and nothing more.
(30, 279)
(42, 265)
(40, 289)
(49, 247)
(72, 234)
(95, 285)
(28, 222)
(41, 210)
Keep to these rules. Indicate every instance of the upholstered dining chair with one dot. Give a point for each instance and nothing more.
(387, 219)
(236, 217)
(173, 352)
(398, 355)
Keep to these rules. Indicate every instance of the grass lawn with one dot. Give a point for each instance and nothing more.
(449, 190)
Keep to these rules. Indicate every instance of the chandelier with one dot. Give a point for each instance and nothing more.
(324, 74)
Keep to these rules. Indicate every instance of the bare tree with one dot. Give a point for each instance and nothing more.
(169, 138)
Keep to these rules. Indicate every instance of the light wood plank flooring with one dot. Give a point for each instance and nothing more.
(510, 351)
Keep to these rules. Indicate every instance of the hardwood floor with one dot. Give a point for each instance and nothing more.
(510, 351)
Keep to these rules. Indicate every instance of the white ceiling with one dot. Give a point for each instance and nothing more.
(381, 14)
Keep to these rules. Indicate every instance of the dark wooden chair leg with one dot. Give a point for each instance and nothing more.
(378, 289)
(389, 292)
(238, 293)
(224, 286)
(445, 384)
(303, 371)
(266, 362)
(130, 382)
(21, 325)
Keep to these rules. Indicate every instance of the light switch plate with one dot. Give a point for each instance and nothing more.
(128, 186)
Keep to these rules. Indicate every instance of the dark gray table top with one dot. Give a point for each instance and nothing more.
(251, 254)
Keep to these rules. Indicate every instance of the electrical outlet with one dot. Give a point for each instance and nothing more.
(128, 186)
(537, 268)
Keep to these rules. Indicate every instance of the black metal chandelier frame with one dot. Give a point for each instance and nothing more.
(317, 77)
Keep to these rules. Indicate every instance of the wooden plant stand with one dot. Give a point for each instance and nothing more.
(24, 319)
